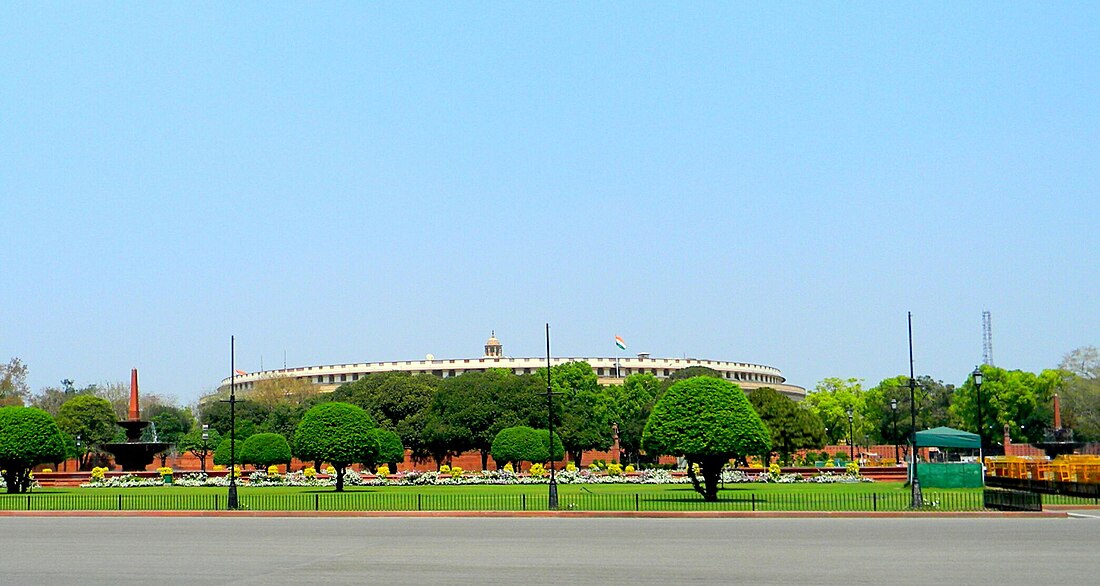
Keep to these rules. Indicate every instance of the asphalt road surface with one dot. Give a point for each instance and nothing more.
(152, 550)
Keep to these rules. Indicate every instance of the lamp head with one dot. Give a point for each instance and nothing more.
(977, 374)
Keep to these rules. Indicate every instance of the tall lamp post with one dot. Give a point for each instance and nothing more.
(851, 438)
(917, 498)
(232, 499)
(977, 374)
(553, 496)
(894, 409)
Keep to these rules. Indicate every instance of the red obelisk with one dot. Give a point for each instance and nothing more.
(135, 413)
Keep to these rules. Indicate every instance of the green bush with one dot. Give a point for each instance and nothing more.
(28, 437)
(390, 450)
(524, 444)
(265, 449)
(221, 454)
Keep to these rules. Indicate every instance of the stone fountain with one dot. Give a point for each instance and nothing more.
(134, 454)
(1060, 440)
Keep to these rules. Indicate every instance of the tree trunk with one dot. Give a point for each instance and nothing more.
(484, 460)
(712, 471)
(339, 479)
(576, 457)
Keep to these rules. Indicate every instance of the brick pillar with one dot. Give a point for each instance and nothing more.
(1008, 442)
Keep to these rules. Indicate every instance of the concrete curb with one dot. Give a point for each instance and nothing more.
(562, 514)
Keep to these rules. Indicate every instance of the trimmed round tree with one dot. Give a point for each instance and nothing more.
(221, 454)
(708, 421)
(265, 449)
(390, 450)
(28, 437)
(337, 433)
(524, 444)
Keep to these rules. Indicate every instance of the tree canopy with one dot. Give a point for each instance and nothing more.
(792, 427)
(28, 437)
(586, 408)
(708, 421)
(90, 418)
(397, 401)
(1014, 398)
(632, 402)
(525, 444)
(337, 433)
(13, 383)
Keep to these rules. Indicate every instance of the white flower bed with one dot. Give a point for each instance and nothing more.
(413, 478)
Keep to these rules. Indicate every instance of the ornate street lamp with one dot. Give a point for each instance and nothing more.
(205, 437)
(851, 438)
(894, 409)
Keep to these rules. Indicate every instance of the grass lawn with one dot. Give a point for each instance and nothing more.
(603, 497)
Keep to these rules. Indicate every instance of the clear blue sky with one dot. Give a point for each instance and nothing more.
(353, 183)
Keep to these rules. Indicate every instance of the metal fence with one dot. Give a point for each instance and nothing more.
(396, 501)
(1084, 490)
(1012, 500)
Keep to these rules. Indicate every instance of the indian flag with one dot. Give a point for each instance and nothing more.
(620, 342)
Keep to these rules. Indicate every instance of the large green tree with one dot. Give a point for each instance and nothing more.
(1020, 400)
(390, 449)
(933, 407)
(337, 433)
(1081, 393)
(831, 399)
(397, 401)
(792, 427)
(586, 409)
(633, 401)
(192, 442)
(92, 420)
(28, 437)
(708, 421)
(467, 411)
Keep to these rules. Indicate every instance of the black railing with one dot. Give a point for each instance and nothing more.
(407, 501)
(1074, 489)
(1012, 500)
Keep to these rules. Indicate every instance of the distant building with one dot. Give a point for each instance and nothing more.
(609, 370)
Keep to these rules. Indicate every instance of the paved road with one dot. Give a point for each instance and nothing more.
(569, 551)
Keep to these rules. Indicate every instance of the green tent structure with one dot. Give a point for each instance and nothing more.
(946, 437)
(950, 475)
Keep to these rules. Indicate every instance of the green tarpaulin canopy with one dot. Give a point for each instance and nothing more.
(946, 437)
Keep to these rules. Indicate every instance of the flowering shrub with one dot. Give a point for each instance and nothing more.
(830, 478)
(383, 471)
(272, 470)
(46, 470)
(456, 472)
(629, 469)
(164, 470)
(537, 470)
(125, 481)
(570, 467)
(218, 468)
(310, 472)
(774, 471)
(99, 473)
(330, 470)
(508, 468)
(852, 469)
(444, 469)
(614, 470)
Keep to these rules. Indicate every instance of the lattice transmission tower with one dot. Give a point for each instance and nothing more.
(987, 338)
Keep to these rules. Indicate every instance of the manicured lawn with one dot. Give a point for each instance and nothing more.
(603, 497)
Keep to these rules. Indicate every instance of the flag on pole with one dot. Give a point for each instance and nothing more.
(240, 372)
(620, 343)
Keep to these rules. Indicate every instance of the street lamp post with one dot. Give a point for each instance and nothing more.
(553, 496)
(205, 437)
(851, 438)
(79, 453)
(977, 374)
(917, 501)
(232, 498)
(894, 409)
